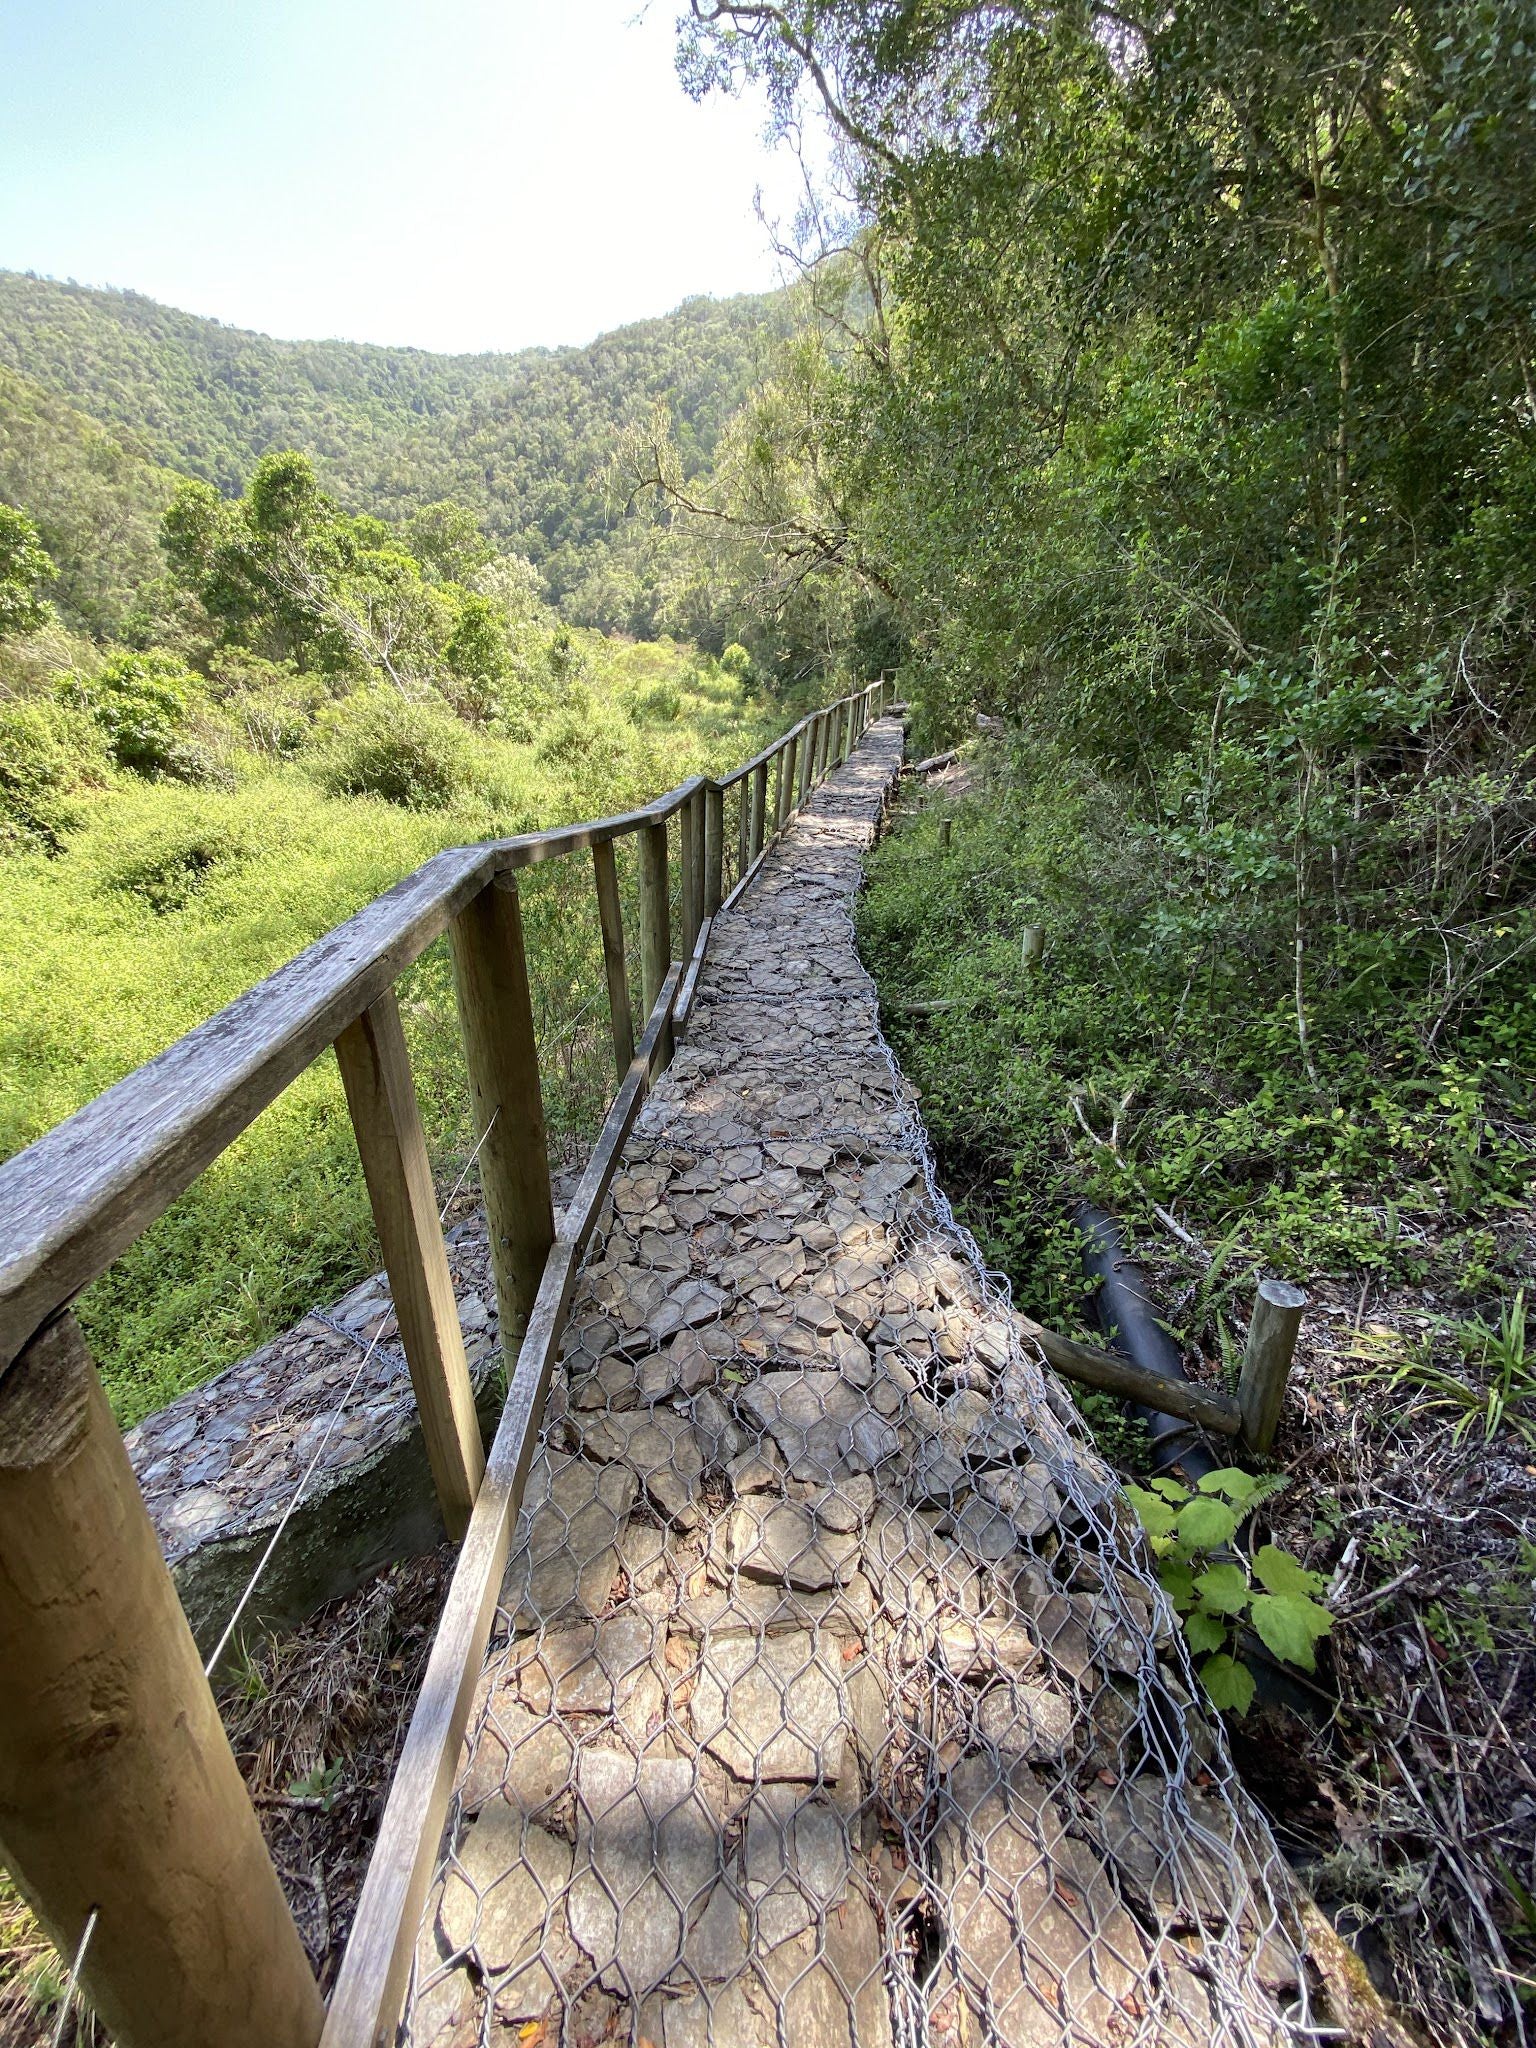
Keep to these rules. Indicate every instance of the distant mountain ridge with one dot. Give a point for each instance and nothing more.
(521, 438)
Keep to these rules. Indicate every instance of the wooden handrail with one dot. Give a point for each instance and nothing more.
(75, 1199)
(81, 1194)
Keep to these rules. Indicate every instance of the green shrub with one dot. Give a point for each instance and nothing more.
(143, 704)
(659, 705)
(566, 739)
(1218, 1591)
(48, 752)
(414, 755)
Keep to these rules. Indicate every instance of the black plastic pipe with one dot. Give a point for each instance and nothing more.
(1129, 1320)
(1130, 1324)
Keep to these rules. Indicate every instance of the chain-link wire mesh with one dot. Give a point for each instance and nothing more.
(830, 1698)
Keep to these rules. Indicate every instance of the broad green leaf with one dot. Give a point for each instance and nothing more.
(1205, 1525)
(1177, 1581)
(1231, 1481)
(1155, 1515)
(1289, 1624)
(1280, 1572)
(1223, 1588)
(1172, 1489)
(1204, 1631)
(1229, 1683)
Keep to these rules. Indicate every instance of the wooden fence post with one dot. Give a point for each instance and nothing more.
(807, 746)
(610, 919)
(759, 807)
(714, 848)
(690, 873)
(386, 1117)
(1267, 1359)
(490, 970)
(787, 780)
(118, 1791)
(743, 826)
(700, 858)
(655, 913)
(1032, 944)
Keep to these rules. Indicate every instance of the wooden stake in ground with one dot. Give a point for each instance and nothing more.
(1267, 1359)
(117, 1787)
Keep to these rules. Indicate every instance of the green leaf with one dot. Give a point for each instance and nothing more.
(1171, 1489)
(1281, 1573)
(1204, 1631)
(1205, 1525)
(1223, 1588)
(1228, 1683)
(1177, 1581)
(1289, 1624)
(1155, 1515)
(1232, 1481)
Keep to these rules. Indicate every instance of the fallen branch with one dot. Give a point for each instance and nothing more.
(934, 763)
(1092, 1367)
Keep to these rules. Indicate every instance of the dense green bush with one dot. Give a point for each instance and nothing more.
(143, 704)
(415, 755)
(165, 866)
(1153, 1058)
(48, 753)
(658, 705)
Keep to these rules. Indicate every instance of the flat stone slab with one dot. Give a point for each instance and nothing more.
(772, 1709)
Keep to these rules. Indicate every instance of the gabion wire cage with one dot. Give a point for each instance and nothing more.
(831, 1699)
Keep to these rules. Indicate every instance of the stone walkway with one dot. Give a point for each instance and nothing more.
(828, 1705)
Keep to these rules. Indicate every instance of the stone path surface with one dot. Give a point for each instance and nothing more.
(829, 1703)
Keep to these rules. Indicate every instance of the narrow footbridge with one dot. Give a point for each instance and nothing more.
(802, 1683)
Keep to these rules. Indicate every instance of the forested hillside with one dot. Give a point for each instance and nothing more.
(277, 622)
(523, 440)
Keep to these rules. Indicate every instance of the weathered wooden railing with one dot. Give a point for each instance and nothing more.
(121, 1807)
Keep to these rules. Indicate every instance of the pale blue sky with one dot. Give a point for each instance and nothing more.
(464, 174)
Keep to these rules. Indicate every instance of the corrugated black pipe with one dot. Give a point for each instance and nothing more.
(1129, 1321)
(1128, 1318)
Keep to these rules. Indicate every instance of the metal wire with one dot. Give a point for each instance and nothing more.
(67, 2001)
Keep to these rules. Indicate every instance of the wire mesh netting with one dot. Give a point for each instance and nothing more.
(830, 1698)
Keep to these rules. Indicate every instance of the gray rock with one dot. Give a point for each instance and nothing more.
(782, 1542)
(811, 1416)
(648, 1854)
(503, 1889)
(772, 1709)
(574, 1514)
(587, 1669)
(518, 1756)
(797, 1861)
(662, 1452)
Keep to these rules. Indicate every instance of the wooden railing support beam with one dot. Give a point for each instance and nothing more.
(787, 780)
(655, 914)
(714, 849)
(118, 1791)
(743, 825)
(490, 971)
(690, 875)
(376, 1074)
(759, 807)
(610, 919)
